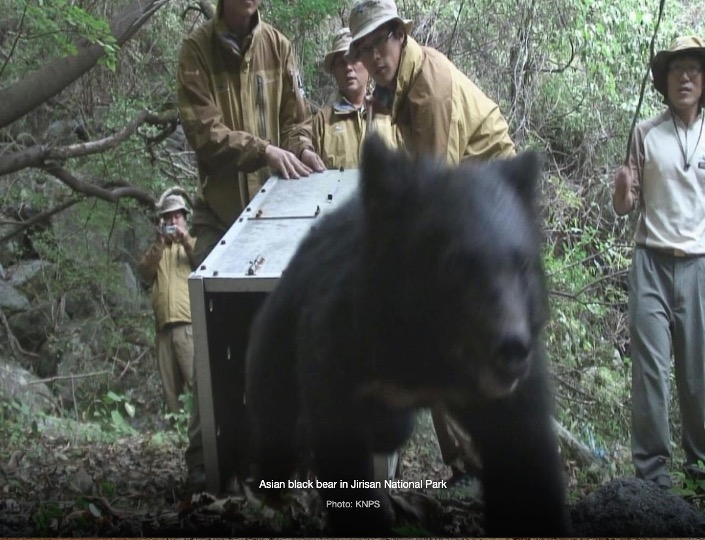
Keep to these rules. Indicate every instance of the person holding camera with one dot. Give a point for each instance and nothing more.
(166, 265)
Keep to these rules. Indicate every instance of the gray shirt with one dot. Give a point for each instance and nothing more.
(671, 196)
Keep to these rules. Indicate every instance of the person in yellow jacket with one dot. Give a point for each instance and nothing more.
(339, 128)
(244, 113)
(166, 265)
(438, 110)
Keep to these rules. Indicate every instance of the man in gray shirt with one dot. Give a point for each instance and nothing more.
(664, 178)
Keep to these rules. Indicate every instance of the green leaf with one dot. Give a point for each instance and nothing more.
(117, 418)
(94, 510)
(130, 409)
(112, 396)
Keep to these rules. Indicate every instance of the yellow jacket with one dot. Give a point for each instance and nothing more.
(232, 105)
(339, 129)
(167, 268)
(439, 111)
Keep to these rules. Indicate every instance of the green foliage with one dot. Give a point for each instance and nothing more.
(46, 517)
(180, 420)
(108, 489)
(110, 413)
(52, 28)
(309, 25)
(585, 267)
(16, 421)
(690, 487)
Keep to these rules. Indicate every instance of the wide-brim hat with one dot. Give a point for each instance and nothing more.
(172, 203)
(368, 15)
(340, 44)
(679, 46)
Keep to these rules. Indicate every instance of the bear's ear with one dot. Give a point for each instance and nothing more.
(382, 174)
(523, 173)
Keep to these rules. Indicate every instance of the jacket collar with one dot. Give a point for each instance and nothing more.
(231, 42)
(410, 64)
(342, 106)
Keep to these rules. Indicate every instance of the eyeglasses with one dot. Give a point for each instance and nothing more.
(366, 52)
(690, 69)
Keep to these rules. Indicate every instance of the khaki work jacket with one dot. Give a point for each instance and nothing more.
(232, 105)
(439, 111)
(167, 268)
(340, 128)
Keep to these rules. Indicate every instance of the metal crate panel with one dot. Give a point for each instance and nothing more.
(226, 292)
(259, 245)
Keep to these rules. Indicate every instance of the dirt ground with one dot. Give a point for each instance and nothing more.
(134, 488)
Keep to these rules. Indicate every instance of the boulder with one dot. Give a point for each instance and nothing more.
(16, 383)
(11, 299)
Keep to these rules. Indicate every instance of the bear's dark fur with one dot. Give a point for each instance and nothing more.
(427, 288)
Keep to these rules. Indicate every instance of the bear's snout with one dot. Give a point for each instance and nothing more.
(512, 355)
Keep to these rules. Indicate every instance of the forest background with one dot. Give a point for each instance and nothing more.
(89, 138)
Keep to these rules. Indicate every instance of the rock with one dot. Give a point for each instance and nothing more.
(23, 271)
(30, 275)
(79, 304)
(130, 280)
(76, 358)
(16, 383)
(32, 326)
(9, 249)
(629, 507)
(12, 299)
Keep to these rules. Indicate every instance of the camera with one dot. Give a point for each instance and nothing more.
(168, 230)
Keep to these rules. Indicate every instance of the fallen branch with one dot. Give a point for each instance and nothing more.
(71, 377)
(103, 502)
(35, 88)
(109, 193)
(586, 456)
(37, 156)
(579, 292)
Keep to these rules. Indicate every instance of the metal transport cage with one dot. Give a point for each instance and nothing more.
(226, 291)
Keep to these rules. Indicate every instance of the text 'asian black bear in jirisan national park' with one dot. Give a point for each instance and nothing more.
(425, 288)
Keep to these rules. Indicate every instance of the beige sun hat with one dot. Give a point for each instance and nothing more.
(172, 203)
(368, 15)
(341, 42)
(679, 46)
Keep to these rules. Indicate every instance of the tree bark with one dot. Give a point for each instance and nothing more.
(35, 88)
(111, 193)
(36, 156)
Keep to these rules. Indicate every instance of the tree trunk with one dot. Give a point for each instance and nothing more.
(40, 85)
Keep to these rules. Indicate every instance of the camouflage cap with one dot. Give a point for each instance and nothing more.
(341, 42)
(679, 46)
(368, 15)
(172, 203)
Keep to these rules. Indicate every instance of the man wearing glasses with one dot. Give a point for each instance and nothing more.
(438, 110)
(664, 178)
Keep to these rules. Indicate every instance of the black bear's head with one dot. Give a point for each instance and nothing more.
(456, 276)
